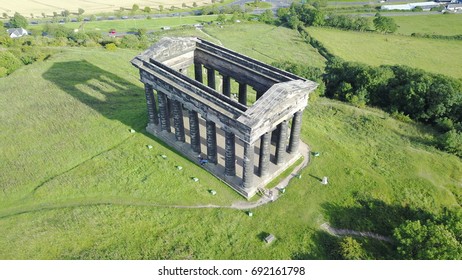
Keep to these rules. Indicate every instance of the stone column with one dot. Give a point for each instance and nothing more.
(230, 154)
(178, 121)
(163, 111)
(281, 144)
(151, 102)
(227, 85)
(243, 93)
(170, 107)
(211, 141)
(247, 174)
(263, 163)
(211, 78)
(194, 132)
(295, 132)
(198, 72)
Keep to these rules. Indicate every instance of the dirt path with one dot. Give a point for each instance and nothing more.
(343, 232)
(239, 205)
(210, 36)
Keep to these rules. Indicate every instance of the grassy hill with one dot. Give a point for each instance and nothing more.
(267, 43)
(76, 184)
(438, 56)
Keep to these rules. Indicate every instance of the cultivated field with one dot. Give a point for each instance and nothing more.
(75, 184)
(26, 7)
(438, 56)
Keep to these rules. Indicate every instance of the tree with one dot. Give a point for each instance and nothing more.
(362, 24)
(147, 9)
(350, 249)
(221, 18)
(44, 15)
(194, 4)
(135, 7)
(427, 240)
(5, 15)
(161, 8)
(18, 21)
(451, 141)
(183, 5)
(294, 22)
(65, 13)
(81, 11)
(385, 24)
(267, 17)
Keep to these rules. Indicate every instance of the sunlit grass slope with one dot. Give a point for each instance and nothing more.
(76, 184)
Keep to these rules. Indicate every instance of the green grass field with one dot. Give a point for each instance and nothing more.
(377, 49)
(75, 184)
(447, 24)
(267, 43)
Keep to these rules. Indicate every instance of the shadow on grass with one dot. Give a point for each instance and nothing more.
(110, 95)
(262, 235)
(326, 248)
(365, 215)
(369, 214)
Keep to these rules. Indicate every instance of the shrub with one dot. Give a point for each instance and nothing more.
(401, 117)
(451, 141)
(9, 62)
(94, 35)
(3, 72)
(130, 41)
(111, 47)
(90, 43)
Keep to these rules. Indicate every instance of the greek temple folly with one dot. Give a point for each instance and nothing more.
(244, 145)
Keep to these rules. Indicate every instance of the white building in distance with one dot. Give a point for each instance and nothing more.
(410, 6)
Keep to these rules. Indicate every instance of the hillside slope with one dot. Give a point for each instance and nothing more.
(76, 184)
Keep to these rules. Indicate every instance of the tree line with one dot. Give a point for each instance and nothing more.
(406, 93)
(415, 234)
(312, 14)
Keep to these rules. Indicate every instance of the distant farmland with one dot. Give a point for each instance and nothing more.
(448, 25)
(437, 56)
(28, 7)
